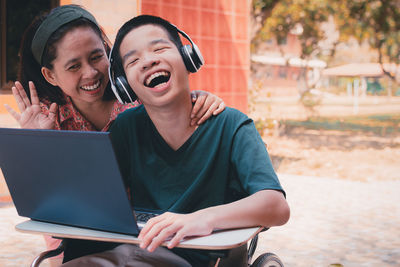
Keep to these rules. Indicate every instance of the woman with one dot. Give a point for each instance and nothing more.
(65, 66)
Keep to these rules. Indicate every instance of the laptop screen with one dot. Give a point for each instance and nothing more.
(66, 177)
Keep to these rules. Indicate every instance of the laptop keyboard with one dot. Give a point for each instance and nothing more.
(143, 217)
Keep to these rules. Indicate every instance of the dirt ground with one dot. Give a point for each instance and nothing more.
(344, 155)
(325, 153)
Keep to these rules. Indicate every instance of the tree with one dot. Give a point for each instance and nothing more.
(280, 18)
(261, 10)
(376, 22)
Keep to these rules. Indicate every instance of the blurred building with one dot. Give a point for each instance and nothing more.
(278, 67)
(218, 27)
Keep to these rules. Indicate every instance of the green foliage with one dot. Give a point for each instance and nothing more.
(266, 126)
(376, 22)
(287, 16)
(303, 18)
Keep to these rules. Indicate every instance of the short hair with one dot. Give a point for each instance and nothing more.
(142, 20)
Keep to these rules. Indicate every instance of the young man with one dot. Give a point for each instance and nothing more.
(214, 176)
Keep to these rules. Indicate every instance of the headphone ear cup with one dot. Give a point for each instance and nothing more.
(119, 85)
(186, 51)
(192, 57)
(125, 92)
(197, 56)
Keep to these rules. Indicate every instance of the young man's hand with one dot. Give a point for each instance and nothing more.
(173, 227)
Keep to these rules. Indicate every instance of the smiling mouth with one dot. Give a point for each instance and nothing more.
(157, 79)
(91, 87)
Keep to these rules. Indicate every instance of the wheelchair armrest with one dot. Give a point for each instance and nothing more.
(48, 254)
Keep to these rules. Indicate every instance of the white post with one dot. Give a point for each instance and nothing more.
(364, 87)
(349, 89)
(355, 97)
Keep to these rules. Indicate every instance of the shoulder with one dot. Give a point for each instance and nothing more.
(232, 116)
(225, 124)
(131, 116)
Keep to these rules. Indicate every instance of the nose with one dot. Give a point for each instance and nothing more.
(150, 61)
(89, 71)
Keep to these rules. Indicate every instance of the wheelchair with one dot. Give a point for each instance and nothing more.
(237, 257)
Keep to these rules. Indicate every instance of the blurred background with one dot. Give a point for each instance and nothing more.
(320, 78)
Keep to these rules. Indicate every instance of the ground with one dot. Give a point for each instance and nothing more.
(344, 155)
(342, 188)
(350, 155)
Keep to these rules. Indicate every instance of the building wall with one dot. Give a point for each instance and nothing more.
(109, 14)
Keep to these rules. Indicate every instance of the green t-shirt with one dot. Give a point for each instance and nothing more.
(225, 159)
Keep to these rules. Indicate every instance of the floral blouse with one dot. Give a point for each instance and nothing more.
(69, 118)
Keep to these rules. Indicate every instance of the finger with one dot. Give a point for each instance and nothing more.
(162, 237)
(205, 117)
(13, 113)
(23, 94)
(207, 105)
(149, 237)
(194, 121)
(34, 96)
(18, 99)
(149, 225)
(53, 111)
(197, 106)
(220, 108)
(193, 96)
(176, 239)
(152, 232)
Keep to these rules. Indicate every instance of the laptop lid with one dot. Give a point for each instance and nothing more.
(66, 177)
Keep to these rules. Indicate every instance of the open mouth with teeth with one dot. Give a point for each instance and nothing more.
(91, 87)
(157, 79)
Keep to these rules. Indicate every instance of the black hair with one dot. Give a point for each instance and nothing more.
(30, 70)
(142, 20)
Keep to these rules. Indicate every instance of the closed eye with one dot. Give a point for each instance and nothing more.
(73, 67)
(160, 49)
(97, 57)
(132, 62)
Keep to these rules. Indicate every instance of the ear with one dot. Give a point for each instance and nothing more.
(49, 76)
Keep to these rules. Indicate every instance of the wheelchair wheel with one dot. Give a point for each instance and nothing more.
(267, 260)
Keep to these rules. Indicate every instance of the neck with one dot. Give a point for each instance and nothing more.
(98, 113)
(173, 121)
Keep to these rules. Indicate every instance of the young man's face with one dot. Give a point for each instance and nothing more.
(153, 65)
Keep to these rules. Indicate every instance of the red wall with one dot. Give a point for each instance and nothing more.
(220, 29)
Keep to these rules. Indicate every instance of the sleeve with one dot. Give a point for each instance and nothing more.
(251, 160)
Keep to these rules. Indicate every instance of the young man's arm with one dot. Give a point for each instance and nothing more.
(265, 208)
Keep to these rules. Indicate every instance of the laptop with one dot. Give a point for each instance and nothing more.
(67, 177)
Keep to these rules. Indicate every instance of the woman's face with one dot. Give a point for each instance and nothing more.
(80, 68)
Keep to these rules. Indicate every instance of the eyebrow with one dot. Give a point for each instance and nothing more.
(132, 52)
(72, 60)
